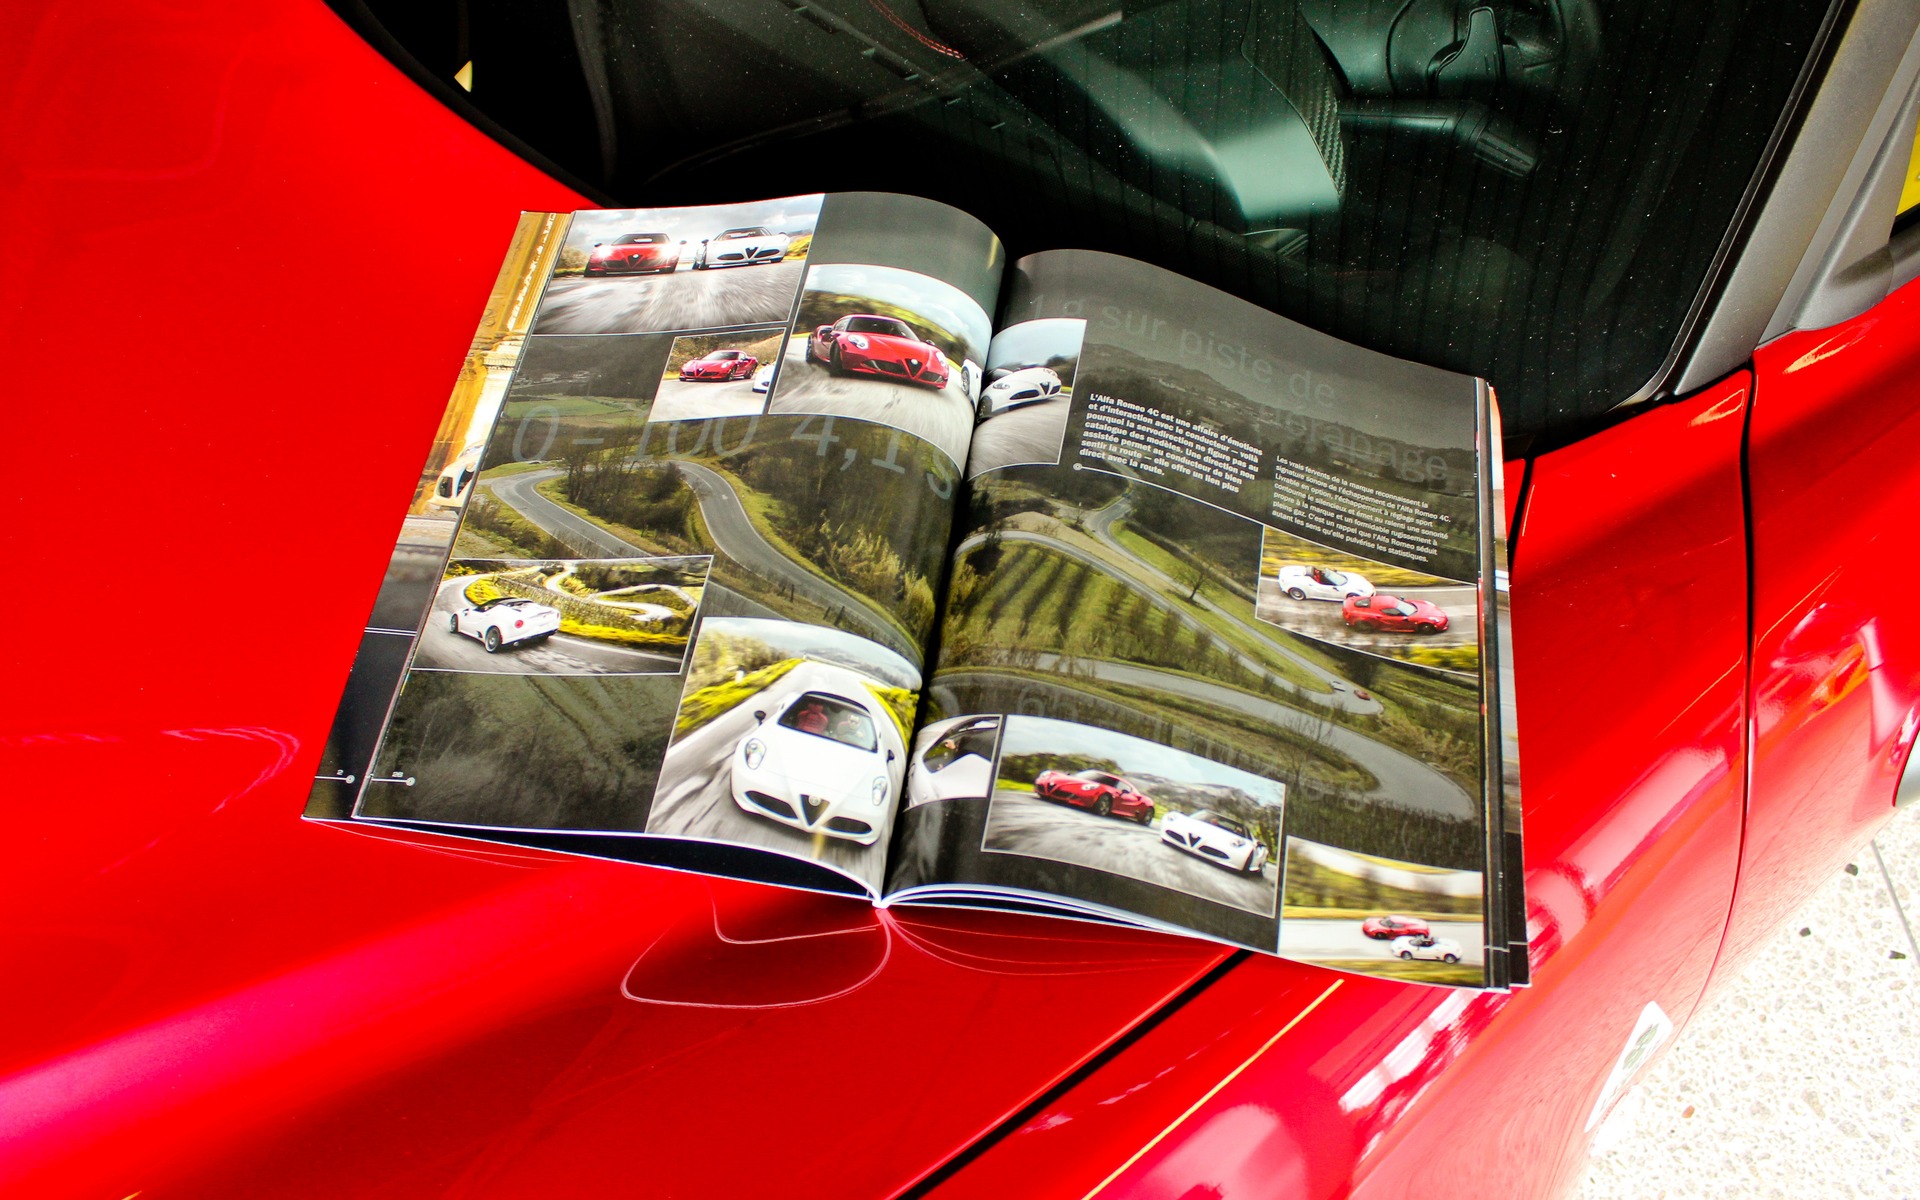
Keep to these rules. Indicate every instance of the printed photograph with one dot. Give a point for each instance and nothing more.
(1382, 916)
(523, 751)
(654, 270)
(1026, 394)
(564, 617)
(812, 519)
(1095, 798)
(953, 760)
(1367, 605)
(887, 346)
(717, 375)
(575, 400)
(791, 738)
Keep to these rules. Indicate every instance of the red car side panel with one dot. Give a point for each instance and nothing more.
(1270, 1085)
(1835, 471)
(203, 994)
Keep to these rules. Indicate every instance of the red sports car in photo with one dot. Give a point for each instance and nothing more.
(1106, 794)
(634, 254)
(720, 365)
(864, 344)
(1383, 928)
(1391, 614)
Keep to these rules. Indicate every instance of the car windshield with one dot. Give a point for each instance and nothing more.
(734, 235)
(1099, 777)
(1403, 609)
(1227, 823)
(501, 602)
(640, 239)
(723, 355)
(833, 718)
(1333, 578)
(885, 325)
(1534, 191)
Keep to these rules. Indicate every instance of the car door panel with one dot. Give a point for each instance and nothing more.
(1834, 462)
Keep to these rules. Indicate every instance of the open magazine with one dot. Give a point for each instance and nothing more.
(811, 541)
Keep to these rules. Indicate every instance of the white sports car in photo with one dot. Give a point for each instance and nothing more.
(1322, 583)
(1216, 837)
(505, 621)
(1427, 946)
(741, 248)
(1011, 389)
(957, 762)
(815, 763)
(763, 378)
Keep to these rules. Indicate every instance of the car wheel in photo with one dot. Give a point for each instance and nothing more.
(835, 363)
(1367, 626)
(1296, 593)
(1102, 807)
(453, 622)
(1452, 958)
(492, 641)
(1426, 629)
(1145, 818)
(1407, 954)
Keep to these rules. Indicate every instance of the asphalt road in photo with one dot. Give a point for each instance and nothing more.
(684, 400)
(733, 534)
(1402, 779)
(943, 417)
(520, 493)
(1029, 434)
(1019, 822)
(695, 799)
(1342, 696)
(441, 649)
(686, 299)
(1321, 618)
(1312, 938)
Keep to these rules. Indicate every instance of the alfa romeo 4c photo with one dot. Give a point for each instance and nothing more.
(1675, 245)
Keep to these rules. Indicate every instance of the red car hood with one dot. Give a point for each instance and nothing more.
(890, 346)
(205, 989)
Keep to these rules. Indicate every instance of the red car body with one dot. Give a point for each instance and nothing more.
(634, 254)
(1099, 791)
(863, 344)
(1392, 614)
(208, 996)
(720, 365)
(1393, 927)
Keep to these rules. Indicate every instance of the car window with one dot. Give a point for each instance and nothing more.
(883, 325)
(1531, 190)
(833, 718)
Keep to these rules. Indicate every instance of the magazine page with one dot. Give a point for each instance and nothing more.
(680, 575)
(1210, 648)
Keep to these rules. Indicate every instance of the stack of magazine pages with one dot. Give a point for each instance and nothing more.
(811, 541)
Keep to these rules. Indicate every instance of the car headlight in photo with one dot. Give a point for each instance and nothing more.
(755, 753)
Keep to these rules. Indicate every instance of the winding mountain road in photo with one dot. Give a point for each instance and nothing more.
(734, 534)
(1342, 696)
(1402, 780)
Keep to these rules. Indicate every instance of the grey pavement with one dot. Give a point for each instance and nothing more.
(1801, 1078)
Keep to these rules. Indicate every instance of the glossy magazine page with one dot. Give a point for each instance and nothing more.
(1212, 646)
(672, 567)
